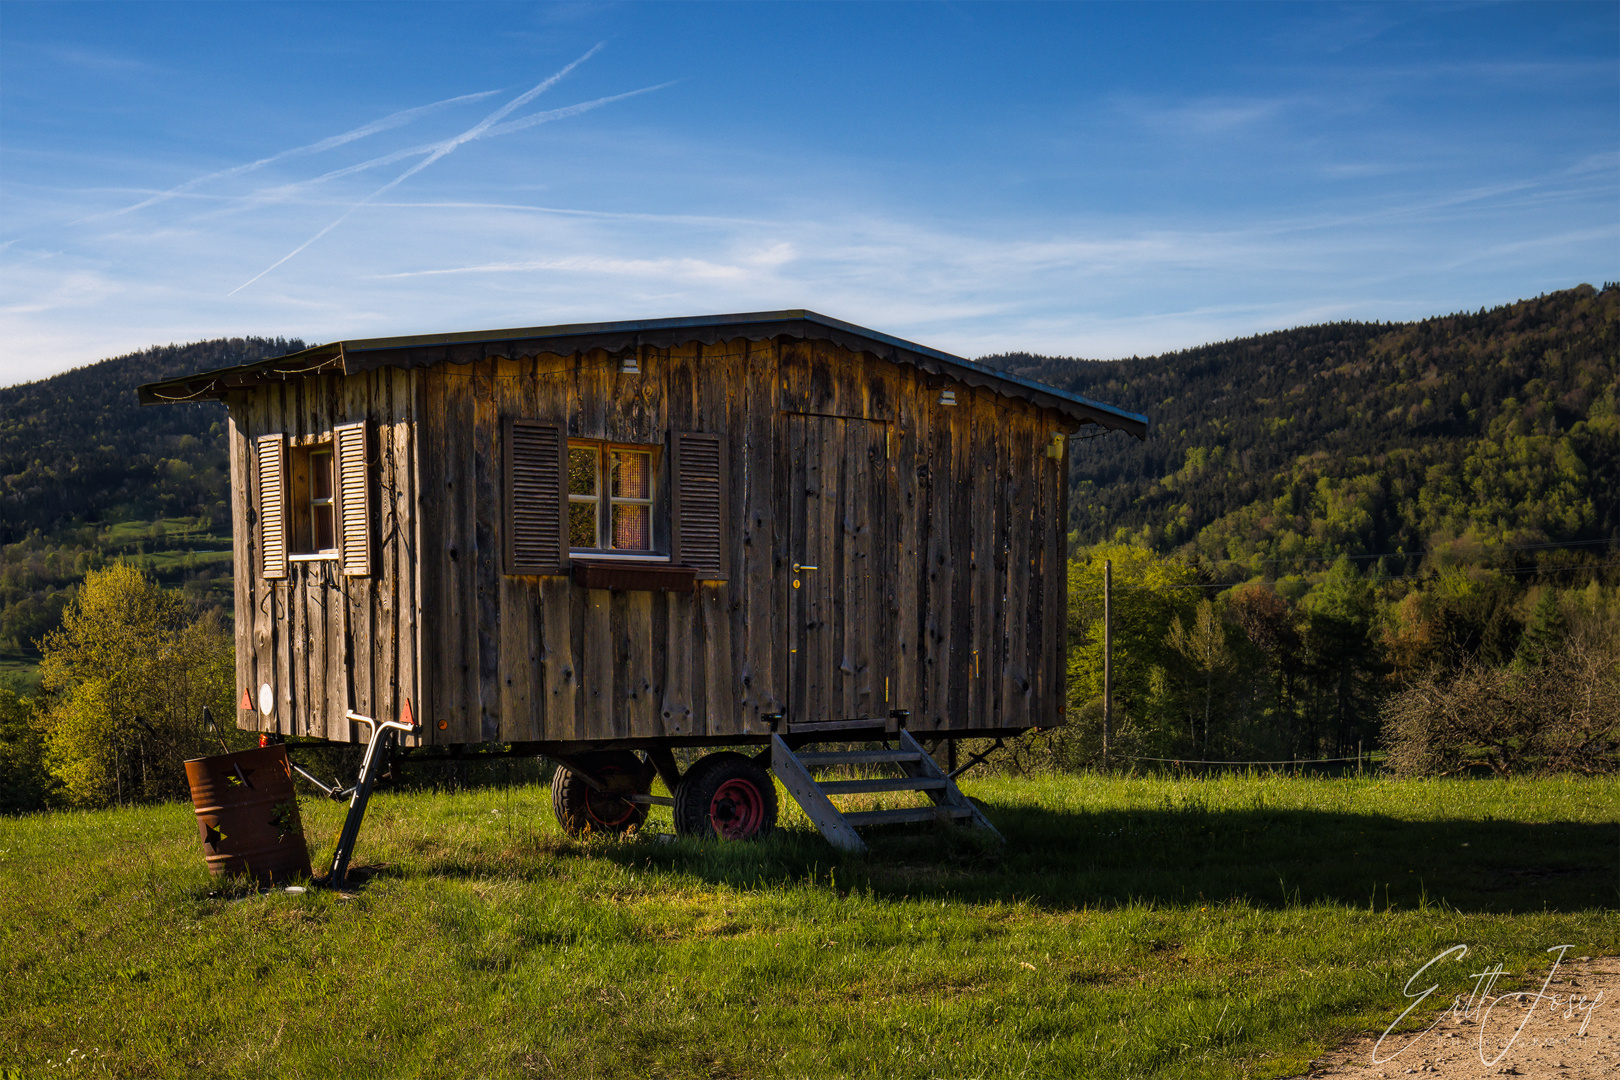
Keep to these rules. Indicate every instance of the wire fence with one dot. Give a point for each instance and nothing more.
(1289, 761)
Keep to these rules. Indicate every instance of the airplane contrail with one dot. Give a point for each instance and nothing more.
(478, 130)
(429, 148)
(571, 110)
(393, 120)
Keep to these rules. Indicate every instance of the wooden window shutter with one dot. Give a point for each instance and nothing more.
(535, 499)
(699, 527)
(353, 498)
(272, 452)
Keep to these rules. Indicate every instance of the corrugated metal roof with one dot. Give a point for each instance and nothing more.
(422, 350)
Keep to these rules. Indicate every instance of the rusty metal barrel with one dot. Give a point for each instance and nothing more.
(247, 814)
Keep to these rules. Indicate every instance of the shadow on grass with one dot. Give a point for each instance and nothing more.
(1268, 858)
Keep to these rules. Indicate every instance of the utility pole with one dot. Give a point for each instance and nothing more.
(1108, 656)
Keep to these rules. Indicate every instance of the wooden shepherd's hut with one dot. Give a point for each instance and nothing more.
(640, 535)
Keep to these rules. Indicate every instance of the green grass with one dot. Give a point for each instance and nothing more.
(1130, 927)
(23, 667)
(174, 529)
(168, 562)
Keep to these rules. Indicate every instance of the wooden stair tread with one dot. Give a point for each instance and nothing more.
(903, 783)
(905, 815)
(793, 770)
(859, 757)
(868, 724)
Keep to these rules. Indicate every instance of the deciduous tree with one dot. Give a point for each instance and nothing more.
(127, 676)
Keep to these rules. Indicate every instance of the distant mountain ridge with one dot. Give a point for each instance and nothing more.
(1487, 428)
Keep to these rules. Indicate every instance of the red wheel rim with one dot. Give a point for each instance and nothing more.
(737, 810)
(607, 810)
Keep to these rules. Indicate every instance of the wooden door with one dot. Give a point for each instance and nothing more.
(842, 576)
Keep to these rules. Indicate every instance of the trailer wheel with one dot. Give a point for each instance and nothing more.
(580, 808)
(726, 796)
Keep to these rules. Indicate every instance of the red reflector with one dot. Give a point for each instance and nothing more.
(247, 701)
(264, 740)
(405, 716)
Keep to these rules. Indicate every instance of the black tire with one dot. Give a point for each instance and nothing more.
(725, 796)
(581, 809)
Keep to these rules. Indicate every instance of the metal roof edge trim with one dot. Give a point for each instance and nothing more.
(352, 354)
(151, 393)
(1003, 376)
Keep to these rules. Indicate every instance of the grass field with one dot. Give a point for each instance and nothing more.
(1130, 927)
(23, 667)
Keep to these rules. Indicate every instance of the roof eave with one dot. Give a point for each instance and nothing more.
(214, 385)
(367, 354)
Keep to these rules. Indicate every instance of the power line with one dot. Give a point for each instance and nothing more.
(1475, 553)
(1373, 577)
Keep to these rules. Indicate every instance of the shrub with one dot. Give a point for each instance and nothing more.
(1561, 715)
(24, 783)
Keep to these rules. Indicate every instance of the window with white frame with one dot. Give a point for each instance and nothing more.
(314, 507)
(610, 498)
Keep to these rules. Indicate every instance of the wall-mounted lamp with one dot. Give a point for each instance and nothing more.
(1054, 446)
(947, 397)
(629, 364)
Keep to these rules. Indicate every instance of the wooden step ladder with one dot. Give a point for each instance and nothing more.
(796, 770)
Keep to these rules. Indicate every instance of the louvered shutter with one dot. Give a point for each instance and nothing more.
(353, 498)
(272, 454)
(699, 527)
(534, 497)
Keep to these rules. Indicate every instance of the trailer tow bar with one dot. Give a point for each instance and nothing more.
(332, 792)
(360, 793)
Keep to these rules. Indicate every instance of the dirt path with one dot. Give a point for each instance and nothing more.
(1570, 1030)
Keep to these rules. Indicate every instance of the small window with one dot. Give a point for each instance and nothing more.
(322, 523)
(610, 498)
(314, 509)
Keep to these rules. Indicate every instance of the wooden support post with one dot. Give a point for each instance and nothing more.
(1108, 656)
(664, 761)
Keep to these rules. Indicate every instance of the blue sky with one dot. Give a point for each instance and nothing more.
(1075, 179)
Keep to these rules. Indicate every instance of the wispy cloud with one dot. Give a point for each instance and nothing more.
(489, 125)
(567, 211)
(97, 60)
(393, 120)
(1204, 116)
(740, 269)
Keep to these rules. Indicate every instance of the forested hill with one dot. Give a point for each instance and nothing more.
(1494, 428)
(76, 448)
(87, 475)
(1484, 429)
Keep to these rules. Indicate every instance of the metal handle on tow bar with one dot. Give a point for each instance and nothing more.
(360, 794)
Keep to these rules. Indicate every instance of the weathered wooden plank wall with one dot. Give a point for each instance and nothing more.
(946, 524)
(323, 641)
